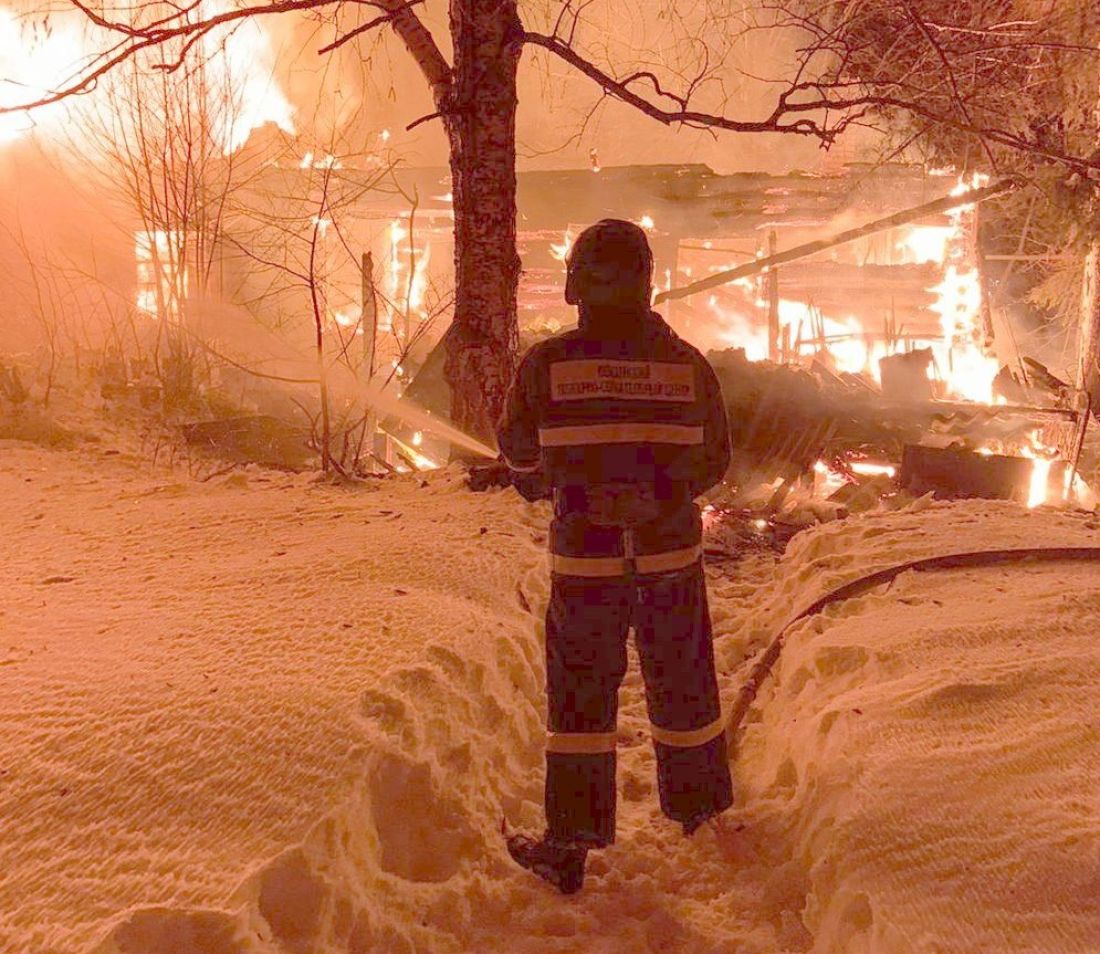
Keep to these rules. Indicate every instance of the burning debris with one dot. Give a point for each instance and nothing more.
(811, 433)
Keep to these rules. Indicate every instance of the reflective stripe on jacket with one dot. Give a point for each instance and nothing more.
(619, 402)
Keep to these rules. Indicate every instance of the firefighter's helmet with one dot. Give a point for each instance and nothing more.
(610, 264)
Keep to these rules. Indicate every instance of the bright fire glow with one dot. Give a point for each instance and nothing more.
(1040, 477)
(31, 62)
(162, 279)
(1042, 459)
(407, 294)
(855, 344)
(968, 370)
(740, 329)
(245, 60)
(867, 468)
(238, 66)
(926, 243)
(348, 317)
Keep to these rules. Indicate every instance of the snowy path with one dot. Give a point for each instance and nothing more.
(343, 785)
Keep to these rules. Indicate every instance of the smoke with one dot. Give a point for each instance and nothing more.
(287, 359)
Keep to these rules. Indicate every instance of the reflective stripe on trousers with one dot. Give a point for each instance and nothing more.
(611, 566)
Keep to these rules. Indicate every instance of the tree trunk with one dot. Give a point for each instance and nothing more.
(481, 126)
(1088, 342)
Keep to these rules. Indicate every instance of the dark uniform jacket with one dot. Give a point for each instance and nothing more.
(626, 424)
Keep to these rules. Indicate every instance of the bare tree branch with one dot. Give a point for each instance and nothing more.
(367, 27)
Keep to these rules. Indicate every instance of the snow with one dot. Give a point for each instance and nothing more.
(933, 746)
(266, 714)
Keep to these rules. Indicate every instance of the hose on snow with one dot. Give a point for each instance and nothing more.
(952, 561)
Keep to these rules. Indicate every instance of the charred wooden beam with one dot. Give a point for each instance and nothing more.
(951, 473)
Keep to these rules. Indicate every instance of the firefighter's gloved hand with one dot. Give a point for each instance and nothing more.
(482, 476)
(497, 473)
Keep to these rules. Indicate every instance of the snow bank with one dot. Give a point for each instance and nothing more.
(931, 749)
(181, 664)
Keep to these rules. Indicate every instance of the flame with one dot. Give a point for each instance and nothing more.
(162, 279)
(243, 60)
(854, 345)
(967, 370)
(561, 252)
(740, 330)
(925, 243)
(1042, 488)
(1040, 480)
(1042, 460)
(406, 296)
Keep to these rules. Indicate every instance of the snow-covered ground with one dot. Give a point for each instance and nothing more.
(261, 714)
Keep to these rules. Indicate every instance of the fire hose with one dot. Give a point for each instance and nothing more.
(980, 558)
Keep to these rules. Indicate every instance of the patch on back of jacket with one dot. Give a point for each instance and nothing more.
(624, 380)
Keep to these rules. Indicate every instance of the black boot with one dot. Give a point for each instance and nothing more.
(559, 863)
(693, 824)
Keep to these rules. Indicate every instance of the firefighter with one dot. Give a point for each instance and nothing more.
(624, 423)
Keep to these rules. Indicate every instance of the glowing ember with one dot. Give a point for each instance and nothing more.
(828, 480)
(867, 468)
